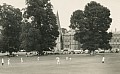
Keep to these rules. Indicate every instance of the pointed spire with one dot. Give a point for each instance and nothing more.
(58, 22)
(58, 45)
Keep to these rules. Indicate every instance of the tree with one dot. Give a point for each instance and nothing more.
(29, 37)
(10, 20)
(92, 25)
(1, 43)
(43, 19)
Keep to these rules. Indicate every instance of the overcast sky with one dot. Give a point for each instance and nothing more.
(65, 9)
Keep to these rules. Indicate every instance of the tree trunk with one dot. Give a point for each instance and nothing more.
(40, 53)
(93, 52)
(10, 53)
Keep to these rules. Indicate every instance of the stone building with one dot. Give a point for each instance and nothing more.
(115, 41)
(69, 42)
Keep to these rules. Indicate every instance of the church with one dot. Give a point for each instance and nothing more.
(66, 38)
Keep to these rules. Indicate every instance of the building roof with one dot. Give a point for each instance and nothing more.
(118, 32)
(70, 32)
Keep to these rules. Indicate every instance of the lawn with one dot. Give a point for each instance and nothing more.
(80, 64)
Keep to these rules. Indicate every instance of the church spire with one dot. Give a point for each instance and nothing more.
(58, 22)
(58, 41)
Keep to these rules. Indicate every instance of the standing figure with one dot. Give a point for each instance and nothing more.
(8, 61)
(38, 58)
(70, 58)
(58, 60)
(21, 60)
(2, 61)
(103, 59)
(17, 55)
(66, 58)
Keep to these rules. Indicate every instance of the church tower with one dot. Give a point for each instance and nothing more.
(59, 39)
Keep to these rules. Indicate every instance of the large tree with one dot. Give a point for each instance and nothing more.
(44, 20)
(92, 25)
(1, 43)
(29, 36)
(10, 20)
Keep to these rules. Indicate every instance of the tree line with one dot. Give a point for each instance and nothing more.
(35, 28)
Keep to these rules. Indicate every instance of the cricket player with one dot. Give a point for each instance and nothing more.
(21, 60)
(70, 58)
(66, 58)
(103, 59)
(38, 58)
(58, 60)
(8, 61)
(2, 61)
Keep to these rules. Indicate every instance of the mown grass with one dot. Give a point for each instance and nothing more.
(80, 64)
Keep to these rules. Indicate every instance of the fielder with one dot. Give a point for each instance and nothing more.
(66, 58)
(38, 58)
(8, 61)
(70, 58)
(2, 61)
(103, 59)
(21, 60)
(58, 60)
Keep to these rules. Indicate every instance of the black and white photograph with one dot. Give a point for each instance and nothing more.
(59, 36)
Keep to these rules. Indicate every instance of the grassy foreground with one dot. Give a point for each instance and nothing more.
(80, 64)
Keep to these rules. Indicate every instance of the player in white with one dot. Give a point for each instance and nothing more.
(103, 59)
(2, 61)
(66, 58)
(8, 61)
(58, 60)
(17, 55)
(70, 58)
(38, 58)
(21, 60)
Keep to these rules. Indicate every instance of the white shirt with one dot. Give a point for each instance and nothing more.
(57, 58)
(2, 60)
(103, 58)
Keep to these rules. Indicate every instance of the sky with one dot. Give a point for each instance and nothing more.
(65, 9)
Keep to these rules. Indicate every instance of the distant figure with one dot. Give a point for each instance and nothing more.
(70, 58)
(21, 60)
(103, 59)
(2, 61)
(66, 58)
(58, 60)
(38, 58)
(8, 61)
(17, 55)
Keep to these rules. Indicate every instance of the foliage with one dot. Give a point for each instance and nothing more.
(43, 21)
(29, 37)
(10, 20)
(1, 43)
(92, 25)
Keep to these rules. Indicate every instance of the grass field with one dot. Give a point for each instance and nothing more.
(80, 64)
